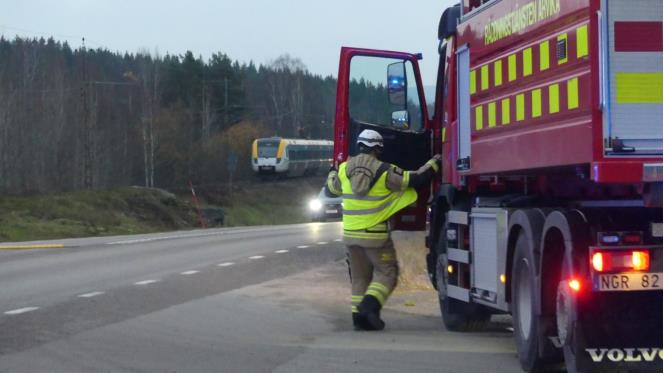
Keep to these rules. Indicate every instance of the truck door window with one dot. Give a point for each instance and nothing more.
(374, 88)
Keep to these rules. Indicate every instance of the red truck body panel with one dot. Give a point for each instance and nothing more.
(531, 108)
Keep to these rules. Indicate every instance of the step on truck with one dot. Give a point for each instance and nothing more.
(548, 114)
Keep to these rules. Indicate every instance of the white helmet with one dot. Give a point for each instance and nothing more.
(370, 138)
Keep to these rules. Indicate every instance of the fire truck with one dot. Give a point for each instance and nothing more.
(548, 115)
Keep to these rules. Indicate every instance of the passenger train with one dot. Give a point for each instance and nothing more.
(290, 157)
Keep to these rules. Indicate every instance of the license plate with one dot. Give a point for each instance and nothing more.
(330, 211)
(629, 281)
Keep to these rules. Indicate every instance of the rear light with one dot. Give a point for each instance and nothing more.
(640, 260)
(598, 262)
(574, 284)
(620, 260)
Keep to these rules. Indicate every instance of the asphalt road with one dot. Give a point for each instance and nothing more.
(260, 299)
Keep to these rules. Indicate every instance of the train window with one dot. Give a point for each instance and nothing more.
(308, 152)
(369, 101)
(267, 148)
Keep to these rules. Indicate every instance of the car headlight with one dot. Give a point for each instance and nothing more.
(315, 205)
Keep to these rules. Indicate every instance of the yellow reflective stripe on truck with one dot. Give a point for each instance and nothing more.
(485, 77)
(527, 61)
(536, 103)
(639, 88)
(492, 114)
(582, 41)
(544, 55)
(478, 117)
(573, 93)
(554, 98)
(511, 67)
(505, 111)
(498, 73)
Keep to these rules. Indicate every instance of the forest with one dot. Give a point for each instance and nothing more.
(82, 118)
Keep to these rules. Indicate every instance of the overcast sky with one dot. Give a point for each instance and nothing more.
(257, 30)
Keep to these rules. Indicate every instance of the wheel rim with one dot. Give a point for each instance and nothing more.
(524, 304)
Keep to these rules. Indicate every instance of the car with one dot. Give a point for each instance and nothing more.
(323, 207)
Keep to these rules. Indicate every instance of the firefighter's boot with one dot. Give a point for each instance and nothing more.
(359, 322)
(369, 313)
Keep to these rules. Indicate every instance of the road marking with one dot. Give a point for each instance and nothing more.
(281, 251)
(21, 310)
(185, 273)
(25, 247)
(196, 235)
(161, 238)
(302, 247)
(227, 264)
(256, 257)
(146, 282)
(338, 240)
(322, 243)
(90, 295)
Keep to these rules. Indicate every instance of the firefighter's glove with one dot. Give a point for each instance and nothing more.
(435, 162)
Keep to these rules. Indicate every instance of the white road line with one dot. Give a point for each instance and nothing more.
(146, 282)
(226, 264)
(256, 257)
(92, 294)
(322, 243)
(185, 273)
(161, 238)
(197, 235)
(21, 310)
(281, 251)
(338, 240)
(302, 247)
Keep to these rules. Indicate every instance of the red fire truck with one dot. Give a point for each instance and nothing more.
(548, 114)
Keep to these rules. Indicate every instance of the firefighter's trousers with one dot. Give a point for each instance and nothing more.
(373, 271)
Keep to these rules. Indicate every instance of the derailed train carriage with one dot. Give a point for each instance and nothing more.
(290, 157)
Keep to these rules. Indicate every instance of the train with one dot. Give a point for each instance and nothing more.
(277, 156)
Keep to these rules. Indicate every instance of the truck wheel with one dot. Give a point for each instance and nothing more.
(457, 315)
(524, 297)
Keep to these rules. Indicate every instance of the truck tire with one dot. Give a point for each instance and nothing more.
(457, 315)
(524, 298)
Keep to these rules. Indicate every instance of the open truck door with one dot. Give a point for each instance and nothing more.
(382, 91)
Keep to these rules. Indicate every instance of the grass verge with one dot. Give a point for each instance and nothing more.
(115, 211)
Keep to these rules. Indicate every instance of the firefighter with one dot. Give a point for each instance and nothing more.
(372, 192)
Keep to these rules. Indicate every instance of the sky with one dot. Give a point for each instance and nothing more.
(245, 30)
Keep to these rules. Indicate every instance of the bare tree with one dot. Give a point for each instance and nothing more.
(149, 80)
(286, 94)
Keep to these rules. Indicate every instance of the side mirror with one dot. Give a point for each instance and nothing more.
(396, 83)
(400, 119)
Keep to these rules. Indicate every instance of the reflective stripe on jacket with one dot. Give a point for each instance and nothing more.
(365, 217)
